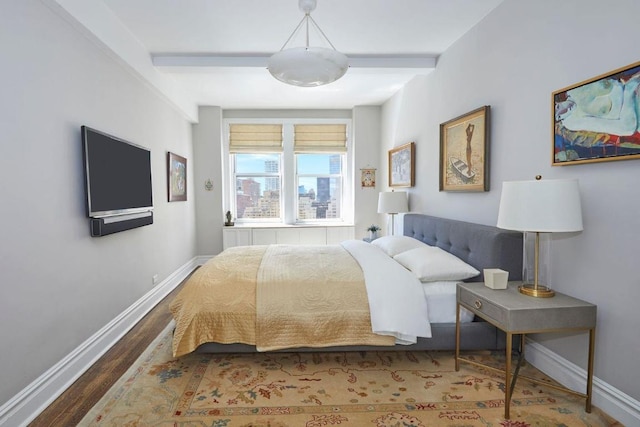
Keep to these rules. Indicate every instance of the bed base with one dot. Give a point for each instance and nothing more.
(474, 336)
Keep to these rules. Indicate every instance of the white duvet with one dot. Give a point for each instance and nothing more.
(397, 300)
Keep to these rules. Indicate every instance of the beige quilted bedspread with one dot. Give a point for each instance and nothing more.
(218, 302)
(312, 296)
(275, 297)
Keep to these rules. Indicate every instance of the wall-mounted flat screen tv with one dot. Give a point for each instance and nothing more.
(117, 175)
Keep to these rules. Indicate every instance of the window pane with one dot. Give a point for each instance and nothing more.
(257, 163)
(319, 198)
(319, 164)
(257, 195)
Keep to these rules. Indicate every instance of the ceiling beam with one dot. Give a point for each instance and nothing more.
(169, 60)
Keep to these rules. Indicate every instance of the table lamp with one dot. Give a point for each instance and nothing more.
(540, 206)
(393, 202)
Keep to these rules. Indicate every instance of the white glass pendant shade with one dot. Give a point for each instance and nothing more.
(308, 66)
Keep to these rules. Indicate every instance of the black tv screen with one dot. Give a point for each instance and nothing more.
(117, 175)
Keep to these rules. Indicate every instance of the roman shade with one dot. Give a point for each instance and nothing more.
(322, 138)
(255, 138)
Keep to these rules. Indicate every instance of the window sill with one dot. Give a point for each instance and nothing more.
(299, 225)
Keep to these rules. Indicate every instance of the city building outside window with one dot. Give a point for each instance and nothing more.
(288, 173)
(319, 182)
(257, 186)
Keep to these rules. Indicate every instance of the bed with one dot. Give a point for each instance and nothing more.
(260, 311)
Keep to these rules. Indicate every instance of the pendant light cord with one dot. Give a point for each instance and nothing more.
(307, 17)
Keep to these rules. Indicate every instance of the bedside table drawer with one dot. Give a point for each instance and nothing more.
(481, 306)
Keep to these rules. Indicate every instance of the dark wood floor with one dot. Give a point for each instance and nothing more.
(78, 399)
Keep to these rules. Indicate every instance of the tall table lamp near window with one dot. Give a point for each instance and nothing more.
(540, 206)
(392, 203)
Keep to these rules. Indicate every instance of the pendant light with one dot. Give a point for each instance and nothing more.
(307, 66)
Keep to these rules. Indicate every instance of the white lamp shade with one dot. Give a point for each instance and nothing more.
(392, 202)
(308, 66)
(541, 206)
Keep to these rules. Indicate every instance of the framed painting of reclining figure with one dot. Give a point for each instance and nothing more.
(598, 119)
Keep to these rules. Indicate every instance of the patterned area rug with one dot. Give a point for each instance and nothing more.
(380, 389)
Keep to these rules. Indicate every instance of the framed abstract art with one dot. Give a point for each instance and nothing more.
(176, 177)
(598, 119)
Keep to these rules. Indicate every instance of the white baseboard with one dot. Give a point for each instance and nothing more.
(614, 402)
(33, 399)
(200, 260)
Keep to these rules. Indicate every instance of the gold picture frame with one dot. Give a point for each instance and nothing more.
(464, 152)
(596, 120)
(402, 161)
(176, 177)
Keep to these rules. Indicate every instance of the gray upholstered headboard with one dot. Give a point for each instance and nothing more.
(482, 246)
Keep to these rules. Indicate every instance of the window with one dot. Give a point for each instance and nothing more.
(256, 154)
(299, 176)
(257, 178)
(319, 150)
(319, 183)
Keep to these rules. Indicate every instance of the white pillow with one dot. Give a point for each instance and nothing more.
(393, 245)
(432, 264)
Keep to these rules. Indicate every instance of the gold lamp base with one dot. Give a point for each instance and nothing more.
(536, 291)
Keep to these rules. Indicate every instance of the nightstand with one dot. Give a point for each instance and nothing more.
(518, 314)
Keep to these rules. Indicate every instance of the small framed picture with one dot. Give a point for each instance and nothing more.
(368, 178)
(176, 177)
(464, 152)
(402, 161)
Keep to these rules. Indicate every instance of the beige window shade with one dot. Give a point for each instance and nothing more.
(255, 138)
(320, 138)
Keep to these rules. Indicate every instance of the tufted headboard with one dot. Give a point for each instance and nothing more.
(482, 246)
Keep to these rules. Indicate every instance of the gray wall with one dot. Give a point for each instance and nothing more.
(366, 135)
(58, 285)
(513, 60)
(207, 152)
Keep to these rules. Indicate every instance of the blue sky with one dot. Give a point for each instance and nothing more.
(311, 164)
(254, 163)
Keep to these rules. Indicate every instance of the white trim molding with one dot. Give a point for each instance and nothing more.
(612, 401)
(202, 259)
(33, 399)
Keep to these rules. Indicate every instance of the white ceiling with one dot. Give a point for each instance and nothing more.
(196, 30)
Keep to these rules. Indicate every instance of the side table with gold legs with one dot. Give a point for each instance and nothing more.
(518, 314)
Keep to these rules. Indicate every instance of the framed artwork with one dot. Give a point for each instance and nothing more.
(464, 152)
(368, 178)
(176, 177)
(402, 161)
(598, 119)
